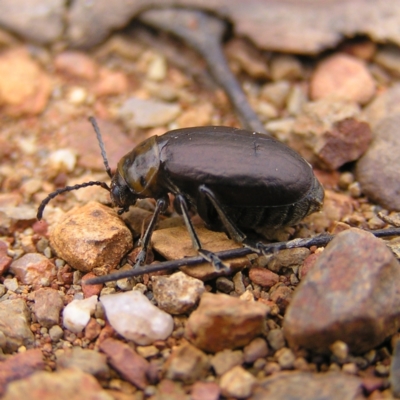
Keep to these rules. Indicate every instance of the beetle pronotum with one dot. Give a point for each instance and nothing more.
(234, 179)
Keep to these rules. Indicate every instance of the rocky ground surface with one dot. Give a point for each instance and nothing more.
(304, 323)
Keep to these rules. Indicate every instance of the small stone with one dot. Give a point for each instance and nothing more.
(11, 284)
(127, 362)
(89, 361)
(224, 284)
(376, 171)
(288, 258)
(187, 364)
(237, 383)
(20, 366)
(340, 350)
(205, 390)
(14, 323)
(90, 290)
(178, 293)
(281, 295)
(285, 358)
(140, 113)
(111, 83)
(56, 333)
(389, 57)
(34, 269)
(350, 368)
(77, 95)
(157, 68)
(276, 338)
(285, 66)
(76, 64)
(135, 318)
(263, 277)
(224, 322)
(48, 304)
(76, 314)
(353, 271)
(91, 236)
(68, 384)
(147, 351)
(226, 359)
(257, 348)
(24, 87)
(344, 77)
(276, 93)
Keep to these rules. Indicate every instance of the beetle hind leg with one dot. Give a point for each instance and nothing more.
(207, 255)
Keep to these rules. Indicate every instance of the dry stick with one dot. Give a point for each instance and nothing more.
(321, 240)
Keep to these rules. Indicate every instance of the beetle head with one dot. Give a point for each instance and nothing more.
(121, 195)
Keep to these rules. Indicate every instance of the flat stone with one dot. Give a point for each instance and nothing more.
(178, 293)
(48, 305)
(14, 323)
(354, 290)
(377, 170)
(344, 77)
(305, 386)
(34, 269)
(175, 243)
(135, 318)
(187, 364)
(126, 361)
(91, 236)
(68, 384)
(224, 322)
(263, 277)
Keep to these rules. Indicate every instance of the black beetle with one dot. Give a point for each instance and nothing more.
(233, 178)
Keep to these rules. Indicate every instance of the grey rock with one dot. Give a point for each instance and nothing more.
(48, 304)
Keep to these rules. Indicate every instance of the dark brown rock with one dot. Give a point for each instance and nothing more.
(91, 236)
(263, 277)
(126, 361)
(351, 294)
(224, 322)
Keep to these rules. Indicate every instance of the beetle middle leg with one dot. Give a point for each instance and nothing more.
(207, 255)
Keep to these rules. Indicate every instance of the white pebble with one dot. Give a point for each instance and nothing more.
(77, 314)
(11, 284)
(63, 160)
(135, 318)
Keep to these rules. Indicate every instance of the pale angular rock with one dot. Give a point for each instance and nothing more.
(91, 236)
(355, 293)
(14, 323)
(135, 318)
(226, 359)
(224, 322)
(34, 269)
(76, 314)
(237, 383)
(178, 293)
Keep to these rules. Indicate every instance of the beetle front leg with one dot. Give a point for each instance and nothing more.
(161, 206)
(207, 255)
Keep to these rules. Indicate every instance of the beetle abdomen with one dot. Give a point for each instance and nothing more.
(242, 168)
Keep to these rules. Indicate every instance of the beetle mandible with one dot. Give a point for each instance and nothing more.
(235, 180)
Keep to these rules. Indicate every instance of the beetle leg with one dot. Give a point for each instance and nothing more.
(207, 255)
(161, 206)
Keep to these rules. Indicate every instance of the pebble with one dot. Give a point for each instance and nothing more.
(92, 329)
(276, 339)
(285, 66)
(263, 277)
(344, 77)
(285, 358)
(89, 361)
(224, 284)
(76, 64)
(141, 113)
(305, 386)
(354, 291)
(328, 135)
(48, 304)
(237, 383)
(91, 236)
(76, 314)
(187, 364)
(15, 324)
(56, 333)
(24, 87)
(178, 293)
(19, 366)
(135, 318)
(33, 269)
(110, 83)
(205, 390)
(377, 170)
(68, 384)
(388, 57)
(225, 360)
(130, 365)
(224, 322)
(257, 348)
(288, 258)
(62, 160)
(276, 93)
(11, 284)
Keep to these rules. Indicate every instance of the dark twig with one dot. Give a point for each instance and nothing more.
(321, 240)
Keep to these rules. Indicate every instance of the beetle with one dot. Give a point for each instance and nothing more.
(234, 179)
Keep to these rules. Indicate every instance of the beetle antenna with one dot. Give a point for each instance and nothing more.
(101, 144)
(51, 196)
